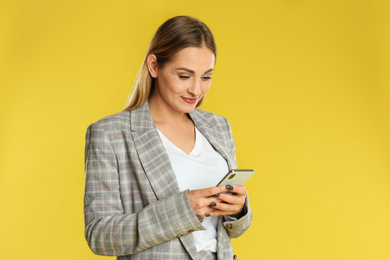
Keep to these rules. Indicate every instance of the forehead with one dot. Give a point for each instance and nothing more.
(196, 58)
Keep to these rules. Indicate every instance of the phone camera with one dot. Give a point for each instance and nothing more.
(232, 176)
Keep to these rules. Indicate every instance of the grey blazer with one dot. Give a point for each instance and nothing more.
(132, 206)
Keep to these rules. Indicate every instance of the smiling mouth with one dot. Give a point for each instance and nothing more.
(190, 100)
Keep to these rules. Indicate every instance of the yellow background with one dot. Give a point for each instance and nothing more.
(305, 85)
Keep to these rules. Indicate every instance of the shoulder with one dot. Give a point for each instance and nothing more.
(112, 123)
(209, 117)
(219, 123)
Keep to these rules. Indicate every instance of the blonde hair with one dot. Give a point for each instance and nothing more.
(172, 36)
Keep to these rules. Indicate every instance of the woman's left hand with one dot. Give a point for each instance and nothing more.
(231, 203)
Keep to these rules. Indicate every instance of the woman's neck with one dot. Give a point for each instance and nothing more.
(166, 115)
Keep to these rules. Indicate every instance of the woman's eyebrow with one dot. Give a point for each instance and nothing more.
(191, 71)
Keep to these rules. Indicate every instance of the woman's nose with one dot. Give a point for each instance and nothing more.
(195, 88)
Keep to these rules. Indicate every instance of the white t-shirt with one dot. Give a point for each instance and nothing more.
(202, 168)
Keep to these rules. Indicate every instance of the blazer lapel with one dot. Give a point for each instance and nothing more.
(208, 128)
(152, 153)
(155, 160)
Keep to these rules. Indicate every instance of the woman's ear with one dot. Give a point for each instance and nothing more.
(151, 62)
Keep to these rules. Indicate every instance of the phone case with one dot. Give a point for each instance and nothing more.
(237, 177)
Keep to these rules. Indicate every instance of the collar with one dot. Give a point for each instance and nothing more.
(141, 119)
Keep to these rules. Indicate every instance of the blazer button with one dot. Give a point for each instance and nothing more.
(234, 257)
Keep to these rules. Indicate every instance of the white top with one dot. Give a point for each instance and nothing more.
(202, 168)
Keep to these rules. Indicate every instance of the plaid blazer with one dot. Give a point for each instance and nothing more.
(133, 208)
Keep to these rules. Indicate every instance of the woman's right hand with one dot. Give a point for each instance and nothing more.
(204, 202)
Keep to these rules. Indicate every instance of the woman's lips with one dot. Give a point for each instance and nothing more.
(189, 100)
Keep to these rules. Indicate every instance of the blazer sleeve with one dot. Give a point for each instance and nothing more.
(235, 227)
(108, 230)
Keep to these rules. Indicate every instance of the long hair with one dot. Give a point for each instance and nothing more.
(171, 37)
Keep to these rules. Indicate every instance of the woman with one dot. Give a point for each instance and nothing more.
(152, 169)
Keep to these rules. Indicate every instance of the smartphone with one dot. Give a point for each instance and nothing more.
(236, 177)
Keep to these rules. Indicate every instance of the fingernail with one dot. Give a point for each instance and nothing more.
(216, 195)
(207, 215)
(229, 187)
(213, 204)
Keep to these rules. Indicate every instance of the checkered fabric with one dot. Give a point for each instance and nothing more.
(132, 206)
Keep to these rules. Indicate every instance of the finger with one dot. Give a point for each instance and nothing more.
(211, 201)
(206, 211)
(216, 195)
(208, 192)
(228, 207)
(232, 199)
(201, 206)
(200, 203)
(218, 212)
(202, 212)
(241, 190)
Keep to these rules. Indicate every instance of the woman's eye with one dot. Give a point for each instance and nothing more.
(184, 77)
(206, 78)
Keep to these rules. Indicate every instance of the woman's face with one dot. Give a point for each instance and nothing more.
(183, 81)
